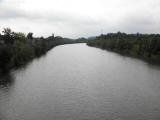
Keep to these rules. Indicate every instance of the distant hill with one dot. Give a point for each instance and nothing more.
(92, 38)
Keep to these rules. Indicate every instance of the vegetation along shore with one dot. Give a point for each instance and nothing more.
(16, 48)
(145, 46)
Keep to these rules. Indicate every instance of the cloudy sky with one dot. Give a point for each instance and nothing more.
(80, 18)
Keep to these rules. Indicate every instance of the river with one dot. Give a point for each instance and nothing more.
(78, 82)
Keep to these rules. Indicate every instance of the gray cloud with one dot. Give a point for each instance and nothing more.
(126, 16)
(11, 13)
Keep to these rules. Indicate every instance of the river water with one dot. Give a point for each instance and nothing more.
(77, 82)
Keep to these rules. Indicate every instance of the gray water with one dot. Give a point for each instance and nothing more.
(77, 82)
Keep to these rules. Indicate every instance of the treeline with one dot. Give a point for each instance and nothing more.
(146, 46)
(16, 48)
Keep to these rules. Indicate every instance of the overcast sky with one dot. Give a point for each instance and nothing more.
(80, 18)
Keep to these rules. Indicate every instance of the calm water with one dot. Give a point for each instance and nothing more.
(77, 82)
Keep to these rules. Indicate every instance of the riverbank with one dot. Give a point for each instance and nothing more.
(17, 49)
(143, 46)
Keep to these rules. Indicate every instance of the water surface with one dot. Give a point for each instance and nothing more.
(77, 82)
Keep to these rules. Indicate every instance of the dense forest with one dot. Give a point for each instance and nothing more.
(145, 46)
(16, 48)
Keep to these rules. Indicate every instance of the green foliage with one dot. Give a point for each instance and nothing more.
(8, 36)
(22, 53)
(30, 36)
(16, 49)
(146, 46)
(5, 57)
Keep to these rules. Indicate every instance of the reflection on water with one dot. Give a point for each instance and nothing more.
(6, 80)
(77, 82)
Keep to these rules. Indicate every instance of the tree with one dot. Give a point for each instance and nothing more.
(8, 36)
(30, 35)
